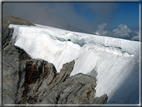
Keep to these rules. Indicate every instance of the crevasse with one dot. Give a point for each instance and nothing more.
(116, 61)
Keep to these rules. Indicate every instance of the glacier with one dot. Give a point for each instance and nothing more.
(113, 62)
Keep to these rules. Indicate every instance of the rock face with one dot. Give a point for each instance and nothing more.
(29, 81)
(12, 58)
(39, 83)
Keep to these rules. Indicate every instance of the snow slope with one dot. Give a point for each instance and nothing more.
(114, 61)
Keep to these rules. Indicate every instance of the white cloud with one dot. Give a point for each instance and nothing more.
(135, 38)
(121, 32)
(101, 29)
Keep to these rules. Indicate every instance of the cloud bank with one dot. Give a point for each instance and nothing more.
(62, 15)
(121, 32)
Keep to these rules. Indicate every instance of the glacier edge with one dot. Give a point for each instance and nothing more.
(116, 61)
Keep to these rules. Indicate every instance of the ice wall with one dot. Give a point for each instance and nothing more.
(116, 61)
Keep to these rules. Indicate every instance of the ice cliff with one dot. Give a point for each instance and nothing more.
(31, 82)
(113, 62)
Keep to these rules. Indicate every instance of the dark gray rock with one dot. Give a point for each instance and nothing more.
(39, 83)
(10, 68)
(37, 78)
(99, 100)
(77, 89)
(11, 59)
(33, 74)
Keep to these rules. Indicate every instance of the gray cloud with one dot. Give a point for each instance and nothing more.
(101, 30)
(136, 38)
(62, 15)
(65, 14)
(104, 11)
(29, 11)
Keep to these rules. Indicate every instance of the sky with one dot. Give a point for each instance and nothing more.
(120, 20)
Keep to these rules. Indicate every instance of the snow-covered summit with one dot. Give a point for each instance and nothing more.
(115, 61)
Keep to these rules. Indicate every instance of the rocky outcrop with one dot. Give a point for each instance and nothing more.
(75, 90)
(12, 58)
(29, 81)
(39, 83)
(99, 100)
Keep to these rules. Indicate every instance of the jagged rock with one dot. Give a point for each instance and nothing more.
(10, 73)
(75, 90)
(33, 76)
(39, 77)
(99, 100)
(12, 57)
(11, 61)
(39, 83)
